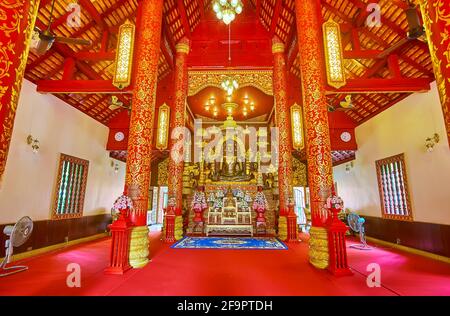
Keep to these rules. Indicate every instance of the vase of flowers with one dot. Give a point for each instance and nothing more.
(199, 205)
(260, 205)
(334, 204)
(122, 207)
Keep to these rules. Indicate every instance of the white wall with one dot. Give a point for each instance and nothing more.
(29, 181)
(402, 128)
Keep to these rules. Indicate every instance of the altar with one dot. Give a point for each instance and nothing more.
(229, 211)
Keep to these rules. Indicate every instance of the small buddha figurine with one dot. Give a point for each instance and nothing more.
(230, 199)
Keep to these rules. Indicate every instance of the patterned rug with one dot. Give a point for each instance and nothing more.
(230, 243)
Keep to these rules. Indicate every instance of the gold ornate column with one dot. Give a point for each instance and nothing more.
(145, 75)
(284, 139)
(318, 146)
(17, 18)
(177, 154)
(436, 17)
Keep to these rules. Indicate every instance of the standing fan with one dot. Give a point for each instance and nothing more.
(356, 223)
(18, 235)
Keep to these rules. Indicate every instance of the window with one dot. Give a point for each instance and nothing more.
(392, 184)
(70, 187)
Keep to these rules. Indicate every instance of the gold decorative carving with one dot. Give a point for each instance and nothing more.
(178, 227)
(139, 247)
(300, 175)
(163, 176)
(282, 228)
(318, 247)
(260, 79)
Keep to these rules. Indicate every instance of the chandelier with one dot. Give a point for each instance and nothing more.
(229, 85)
(227, 10)
(230, 106)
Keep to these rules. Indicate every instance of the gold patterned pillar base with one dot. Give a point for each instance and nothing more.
(178, 227)
(139, 247)
(282, 228)
(318, 247)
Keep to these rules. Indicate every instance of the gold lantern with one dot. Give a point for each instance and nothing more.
(124, 55)
(162, 137)
(334, 54)
(297, 127)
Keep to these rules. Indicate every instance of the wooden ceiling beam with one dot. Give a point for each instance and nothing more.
(377, 85)
(90, 8)
(275, 17)
(184, 18)
(79, 87)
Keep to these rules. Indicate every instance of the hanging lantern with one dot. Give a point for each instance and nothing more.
(124, 55)
(333, 54)
(297, 127)
(162, 137)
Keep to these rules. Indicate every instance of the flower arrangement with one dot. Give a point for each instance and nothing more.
(335, 202)
(260, 201)
(123, 202)
(199, 200)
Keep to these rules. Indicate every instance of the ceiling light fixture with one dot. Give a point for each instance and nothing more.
(227, 10)
(229, 85)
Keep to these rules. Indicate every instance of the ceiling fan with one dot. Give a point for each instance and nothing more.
(415, 29)
(43, 40)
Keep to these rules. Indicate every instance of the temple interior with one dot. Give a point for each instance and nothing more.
(300, 145)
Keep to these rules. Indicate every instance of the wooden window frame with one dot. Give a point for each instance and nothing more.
(82, 184)
(405, 198)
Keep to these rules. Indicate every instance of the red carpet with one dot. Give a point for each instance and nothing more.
(227, 272)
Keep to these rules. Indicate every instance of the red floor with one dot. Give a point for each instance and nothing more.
(227, 272)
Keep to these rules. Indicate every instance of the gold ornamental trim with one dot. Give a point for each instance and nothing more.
(139, 247)
(182, 48)
(260, 79)
(318, 247)
(278, 48)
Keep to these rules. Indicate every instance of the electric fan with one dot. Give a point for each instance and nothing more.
(356, 223)
(18, 235)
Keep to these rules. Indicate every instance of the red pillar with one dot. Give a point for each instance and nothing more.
(176, 160)
(287, 220)
(17, 18)
(318, 148)
(436, 17)
(147, 48)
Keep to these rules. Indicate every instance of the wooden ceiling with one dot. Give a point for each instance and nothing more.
(100, 20)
